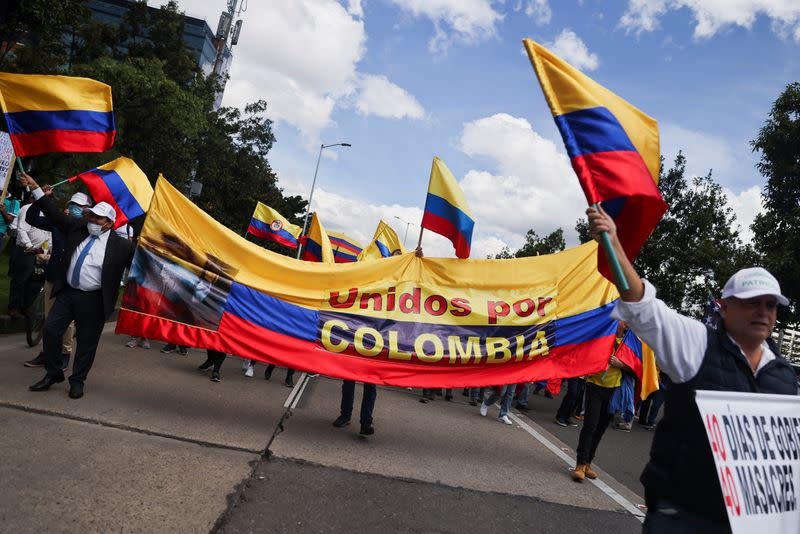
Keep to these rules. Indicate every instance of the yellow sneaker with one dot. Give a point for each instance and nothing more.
(579, 473)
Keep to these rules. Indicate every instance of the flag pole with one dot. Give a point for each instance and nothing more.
(611, 256)
(419, 243)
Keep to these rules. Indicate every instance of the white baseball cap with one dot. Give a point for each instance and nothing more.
(80, 199)
(753, 282)
(104, 209)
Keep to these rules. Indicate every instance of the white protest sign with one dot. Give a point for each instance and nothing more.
(755, 441)
(6, 160)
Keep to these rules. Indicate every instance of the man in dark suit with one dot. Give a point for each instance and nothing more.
(85, 288)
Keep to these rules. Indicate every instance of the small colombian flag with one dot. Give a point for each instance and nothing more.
(57, 113)
(122, 184)
(446, 210)
(316, 245)
(268, 224)
(345, 248)
(384, 243)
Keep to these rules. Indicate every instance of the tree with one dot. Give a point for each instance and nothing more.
(777, 230)
(535, 245)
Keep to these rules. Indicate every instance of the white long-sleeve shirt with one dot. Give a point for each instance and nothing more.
(29, 236)
(679, 342)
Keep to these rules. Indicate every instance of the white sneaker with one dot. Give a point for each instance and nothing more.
(505, 419)
(249, 371)
(145, 344)
(484, 409)
(131, 343)
(245, 365)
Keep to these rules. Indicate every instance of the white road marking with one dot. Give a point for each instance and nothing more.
(602, 486)
(297, 391)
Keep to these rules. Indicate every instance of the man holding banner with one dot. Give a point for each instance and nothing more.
(682, 489)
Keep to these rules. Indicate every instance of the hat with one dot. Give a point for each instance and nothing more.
(104, 209)
(80, 199)
(753, 282)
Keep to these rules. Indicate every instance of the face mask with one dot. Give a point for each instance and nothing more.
(75, 211)
(94, 229)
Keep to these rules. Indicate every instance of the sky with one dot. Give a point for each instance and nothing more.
(406, 80)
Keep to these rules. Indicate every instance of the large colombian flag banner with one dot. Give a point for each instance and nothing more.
(268, 224)
(403, 320)
(56, 113)
(345, 248)
(446, 210)
(613, 147)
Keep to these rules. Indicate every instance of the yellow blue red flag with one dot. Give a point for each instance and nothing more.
(57, 113)
(384, 243)
(316, 244)
(446, 209)
(268, 224)
(613, 148)
(345, 248)
(122, 184)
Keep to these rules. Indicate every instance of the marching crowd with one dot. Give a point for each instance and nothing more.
(87, 260)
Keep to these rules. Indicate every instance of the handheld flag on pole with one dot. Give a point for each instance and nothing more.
(649, 372)
(122, 184)
(345, 248)
(268, 224)
(613, 147)
(384, 243)
(446, 209)
(316, 245)
(57, 113)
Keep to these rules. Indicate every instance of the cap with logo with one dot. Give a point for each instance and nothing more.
(80, 199)
(104, 209)
(753, 282)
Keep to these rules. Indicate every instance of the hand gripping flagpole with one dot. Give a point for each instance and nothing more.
(613, 261)
(62, 182)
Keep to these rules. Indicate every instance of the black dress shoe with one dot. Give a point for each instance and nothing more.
(341, 421)
(75, 391)
(205, 366)
(366, 430)
(38, 361)
(289, 382)
(45, 383)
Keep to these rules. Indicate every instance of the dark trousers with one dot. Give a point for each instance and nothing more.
(595, 421)
(648, 412)
(86, 309)
(667, 518)
(271, 367)
(216, 358)
(367, 401)
(20, 271)
(570, 400)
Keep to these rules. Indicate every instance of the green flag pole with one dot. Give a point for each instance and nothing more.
(22, 167)
(613, 261)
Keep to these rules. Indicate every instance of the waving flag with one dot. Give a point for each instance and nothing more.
(630, 352)
(446, 210)
(613, 147)
(268, 224)
(384, 243)
(57, 113)
(316, 245)
(345, 248)
(122, 184)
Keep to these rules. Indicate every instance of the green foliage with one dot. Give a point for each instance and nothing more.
(777, 230)
(536, 246)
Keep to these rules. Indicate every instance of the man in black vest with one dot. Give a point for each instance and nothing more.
(682, 490)
(85, 288)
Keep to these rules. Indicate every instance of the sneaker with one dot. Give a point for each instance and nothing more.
(132, 342)
(579, 473)
(341, 421)
(572, 422)
(169, 348)
(625, 427)
(313, 375)
(245, 364)
(590, 474)
(650, 426)
(366, 430)
(183, 351)
(268, 373)
(523, 408)
(145, 344)
(561, 422)
(64, 362)
(215, 376)
(289, 382)
(205, 366)
(484, 409)
(38, 361)
(249, 371)
(579, 417)
(473, 402)
(505, 420)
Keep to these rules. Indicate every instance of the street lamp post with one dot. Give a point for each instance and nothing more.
(311, 195)
(407, 225)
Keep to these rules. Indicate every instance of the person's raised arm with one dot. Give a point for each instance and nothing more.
(599, 222)
(45, 202)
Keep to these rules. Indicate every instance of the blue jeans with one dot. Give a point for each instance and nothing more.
(367, 401)
(476, 394)
(522, 398)
(506, 395)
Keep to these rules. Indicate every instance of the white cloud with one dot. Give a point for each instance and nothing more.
(746, 204)
(572, 48)
(355, 8)
(455, 20)
(712, 15)
(703, 151)
(534, 187)
(539, 11)
(378, 96)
